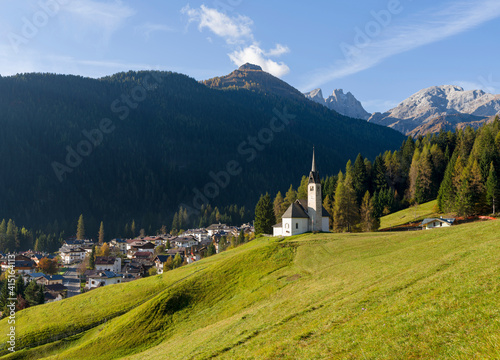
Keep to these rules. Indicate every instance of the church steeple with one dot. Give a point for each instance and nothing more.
(314, 175)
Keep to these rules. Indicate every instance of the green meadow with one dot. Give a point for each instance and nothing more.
(399, 295)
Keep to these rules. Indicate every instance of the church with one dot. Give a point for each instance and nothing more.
(305, 215)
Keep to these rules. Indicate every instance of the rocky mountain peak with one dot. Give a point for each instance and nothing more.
(249, 66)
(345, 104)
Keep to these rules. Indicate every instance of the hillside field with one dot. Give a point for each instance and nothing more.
(402, 295)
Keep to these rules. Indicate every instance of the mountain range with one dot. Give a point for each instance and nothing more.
(430, 110)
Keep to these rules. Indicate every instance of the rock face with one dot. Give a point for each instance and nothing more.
(345, 104)
(253, 78)
(440, 107)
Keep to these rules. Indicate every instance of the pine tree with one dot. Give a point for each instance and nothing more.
(80, 229)
(423, 181)
(346, 210)
(31, 293)
(360, 178)
(264, 215)
(290, 197)
(492, 188)
(278, 205)
(177, 261)
(477, 189)
(369, 221)
(92, 258)
(380, 174)
(446, 195)
(302, 190)
(10, 236)
(101, 233)
(19, 285)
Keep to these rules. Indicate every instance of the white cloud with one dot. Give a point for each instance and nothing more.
(148, 28)
(102, 17)
(233, 29)
(237, 33)
(410, 33)
(253, 54)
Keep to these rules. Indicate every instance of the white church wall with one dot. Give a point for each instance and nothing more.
(287, 227)
(300, 226)
(325, 224)
(277, 231)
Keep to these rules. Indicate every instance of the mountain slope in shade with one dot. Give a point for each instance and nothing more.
(345, 104)
(440, 107)
(252, 77)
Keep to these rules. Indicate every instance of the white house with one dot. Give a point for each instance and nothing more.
(69, 256)
(108, 263)
(437, 223)
(103, 278)
(184, 241)
(305, 214)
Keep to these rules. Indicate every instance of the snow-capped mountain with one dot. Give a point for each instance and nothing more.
(345, 104)
(440, 108)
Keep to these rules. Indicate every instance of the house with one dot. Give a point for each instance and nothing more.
(139, 246)
(120, 245)
(184, 241)
(432, 223)
(160, 260)
(50, 280)
(55, 292)
(102, 278)
(109, 263)
(22, 265)
(201, 235)
(215, 228)
(145, 255)
(72, 255)
(305, 215)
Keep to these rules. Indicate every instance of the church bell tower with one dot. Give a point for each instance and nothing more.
(314, 199)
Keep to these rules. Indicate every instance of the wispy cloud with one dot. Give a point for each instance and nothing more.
(96, 16)
(148, 28)
(237, 33)
(410, 33)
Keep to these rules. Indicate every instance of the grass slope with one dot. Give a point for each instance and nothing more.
(425, 294)
(410, 214)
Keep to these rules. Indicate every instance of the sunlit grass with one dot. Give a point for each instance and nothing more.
(426, 294)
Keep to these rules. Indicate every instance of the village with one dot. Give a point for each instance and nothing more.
(72, 270)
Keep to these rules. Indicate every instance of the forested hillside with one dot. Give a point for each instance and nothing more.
(460, 169)
(133, 147)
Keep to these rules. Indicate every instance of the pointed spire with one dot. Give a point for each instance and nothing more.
(313, 169)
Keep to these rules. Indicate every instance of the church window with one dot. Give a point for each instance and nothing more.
(296, 225)
(311, 188)
(287, 226)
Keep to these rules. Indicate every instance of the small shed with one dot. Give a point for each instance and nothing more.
(432, 223)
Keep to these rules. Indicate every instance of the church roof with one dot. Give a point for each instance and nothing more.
(314, 174)
(303, 203)
(295, 210)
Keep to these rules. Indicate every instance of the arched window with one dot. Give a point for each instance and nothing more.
(287, 225)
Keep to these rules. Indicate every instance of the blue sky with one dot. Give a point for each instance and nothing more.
(380, 50)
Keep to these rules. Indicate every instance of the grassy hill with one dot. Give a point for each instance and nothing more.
(411, 214)
(424, 294)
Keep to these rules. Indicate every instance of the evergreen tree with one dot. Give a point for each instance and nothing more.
(360, 178)
(101, 233)
(492, 188)
(11, 236)
(168, 265)
(278, 205)
(210, 250)
(80, 229)
(423, 181)
(40, 298)
(290, 197)
(369, 221)
(241, 237)
(177, 261)
(380, 174)
(264, 215)
(346, 210)
(302, 190)
(446, 195)
(19, 285)
(31, 293)
(477, 189)
(92, 258)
